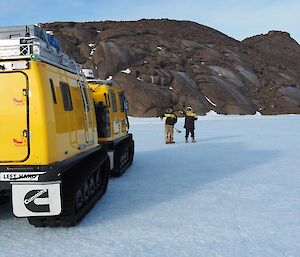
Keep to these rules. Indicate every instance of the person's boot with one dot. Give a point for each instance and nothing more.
(186, 140)
(194, 141)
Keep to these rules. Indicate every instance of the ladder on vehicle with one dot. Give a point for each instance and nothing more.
(87, 107)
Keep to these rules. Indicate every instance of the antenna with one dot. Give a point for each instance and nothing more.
(27, 34)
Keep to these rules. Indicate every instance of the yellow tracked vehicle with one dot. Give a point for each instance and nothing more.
(54, 161)
(112, 122)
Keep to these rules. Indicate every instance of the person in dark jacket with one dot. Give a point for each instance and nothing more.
(189, 124)
(171, 119)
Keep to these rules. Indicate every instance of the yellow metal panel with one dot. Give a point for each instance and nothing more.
(13, 123)
(117, 120)
(55, 134)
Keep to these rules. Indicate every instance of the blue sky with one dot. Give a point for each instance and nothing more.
(238, 19)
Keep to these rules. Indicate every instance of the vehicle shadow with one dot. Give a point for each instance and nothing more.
(171, 172)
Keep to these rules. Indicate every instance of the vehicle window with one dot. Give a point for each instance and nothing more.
(122, 98)
(107, 99)
(66, 95)
(113, 102)
(53, 91)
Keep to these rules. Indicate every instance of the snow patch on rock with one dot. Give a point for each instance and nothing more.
(127, 71)
(92, 51)
(211, 102)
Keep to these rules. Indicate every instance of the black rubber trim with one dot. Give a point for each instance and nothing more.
(111, 145)
(52, 170)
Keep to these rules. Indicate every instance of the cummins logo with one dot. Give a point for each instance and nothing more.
(30, 197)
(36, 199)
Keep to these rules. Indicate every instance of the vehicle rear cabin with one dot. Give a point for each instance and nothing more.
(51, 163)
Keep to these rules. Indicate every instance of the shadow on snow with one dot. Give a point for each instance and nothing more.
(168, 173)
(171, 172)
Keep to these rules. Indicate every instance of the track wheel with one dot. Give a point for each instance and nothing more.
(92, 186)
(122, 160)
(126, 156)
(79, 200)
(86, 192)
(98, 180)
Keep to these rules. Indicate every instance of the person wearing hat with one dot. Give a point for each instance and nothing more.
(189, 124)
(171, 119)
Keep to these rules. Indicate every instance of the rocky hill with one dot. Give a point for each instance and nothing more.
(165, 62)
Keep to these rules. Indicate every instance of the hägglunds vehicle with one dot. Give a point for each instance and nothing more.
(58, 135)
(112, 122)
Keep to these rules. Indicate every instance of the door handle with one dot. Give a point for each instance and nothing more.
(25, 133)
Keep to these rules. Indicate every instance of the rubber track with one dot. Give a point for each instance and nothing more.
(3, 199)
(120, 172)
(68, 217)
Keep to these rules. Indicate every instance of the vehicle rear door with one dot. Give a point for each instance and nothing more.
(14, 117)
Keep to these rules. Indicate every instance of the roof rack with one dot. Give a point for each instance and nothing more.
(33, 43)
(90, 77)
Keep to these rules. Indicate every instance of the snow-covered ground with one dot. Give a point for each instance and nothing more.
(235, 193)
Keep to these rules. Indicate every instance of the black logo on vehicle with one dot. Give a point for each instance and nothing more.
(35, 194)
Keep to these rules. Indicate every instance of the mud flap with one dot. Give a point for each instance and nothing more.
(111, 155)
(36, 199)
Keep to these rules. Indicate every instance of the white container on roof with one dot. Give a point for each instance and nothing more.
(88, 73)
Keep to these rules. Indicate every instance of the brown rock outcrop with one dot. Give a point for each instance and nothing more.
(165, 62)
